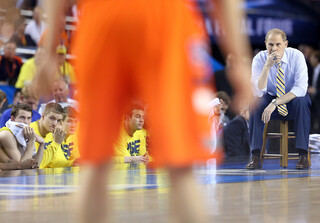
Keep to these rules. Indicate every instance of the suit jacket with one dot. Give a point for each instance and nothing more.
(236, 137)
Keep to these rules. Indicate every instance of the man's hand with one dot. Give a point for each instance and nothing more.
(29, 134)
(59, 134)
(273, 58)
(27, 164)
(140, 159)
(267, 113)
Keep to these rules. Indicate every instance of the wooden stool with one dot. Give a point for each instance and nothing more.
(284, 135)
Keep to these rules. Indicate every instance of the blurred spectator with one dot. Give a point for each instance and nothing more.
(307, 50)
(236, 135)
(6, 31)
(29, 97)
(7, 24)
(10, 64)
(35, 27)
(18, 36)
(16, 98)
(314, 91)
(29, 68)
(60, 94)
(65, 70)
(225, 105)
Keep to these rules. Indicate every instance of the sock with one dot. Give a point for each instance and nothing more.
(303, 152)
(256, 152)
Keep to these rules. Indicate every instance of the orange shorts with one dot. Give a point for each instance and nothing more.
(142, 49)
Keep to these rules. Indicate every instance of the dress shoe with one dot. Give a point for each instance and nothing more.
(254, 163)
(302, 163)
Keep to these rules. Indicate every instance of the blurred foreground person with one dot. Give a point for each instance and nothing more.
(154, 52)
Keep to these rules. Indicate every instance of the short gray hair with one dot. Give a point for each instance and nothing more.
(277, 31)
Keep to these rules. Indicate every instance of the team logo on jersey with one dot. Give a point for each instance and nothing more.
(134, 147)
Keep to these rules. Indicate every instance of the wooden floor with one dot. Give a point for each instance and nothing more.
(139, 195)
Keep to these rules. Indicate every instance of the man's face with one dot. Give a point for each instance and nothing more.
(275, 43)
(217, 110)
(51, 121)
(70, 125)
(30, 101)
(60, 92)
(314, 61)
(136, 121)
(22, 116)
(10, 50)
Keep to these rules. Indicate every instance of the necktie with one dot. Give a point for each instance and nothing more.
(281, 90)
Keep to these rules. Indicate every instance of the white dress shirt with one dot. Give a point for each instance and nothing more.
(295, 71)
(34, 30)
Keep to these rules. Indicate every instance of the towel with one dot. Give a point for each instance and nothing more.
(17, 130)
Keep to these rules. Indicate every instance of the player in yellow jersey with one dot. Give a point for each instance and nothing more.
(17, 139)
(131, 145)
(69, 145)
(49, 127)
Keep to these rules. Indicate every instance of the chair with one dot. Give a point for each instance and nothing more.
(284, 135)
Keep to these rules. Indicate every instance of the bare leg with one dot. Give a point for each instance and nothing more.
(94, 199)
(187, 205)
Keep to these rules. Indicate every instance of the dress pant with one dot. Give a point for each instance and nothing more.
(298, 110)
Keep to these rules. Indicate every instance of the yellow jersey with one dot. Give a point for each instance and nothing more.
(130, 145)
(53, 155)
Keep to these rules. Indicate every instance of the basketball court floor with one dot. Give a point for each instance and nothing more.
(140, 195)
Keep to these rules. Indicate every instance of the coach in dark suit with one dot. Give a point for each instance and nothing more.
(236, 136)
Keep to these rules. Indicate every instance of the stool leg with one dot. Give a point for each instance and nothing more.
(264, 144)
(284, 143)
(309, 159)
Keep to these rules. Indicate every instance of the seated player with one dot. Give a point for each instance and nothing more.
(49, 127)
(69, 145)
(17, 139)
(131, 145)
